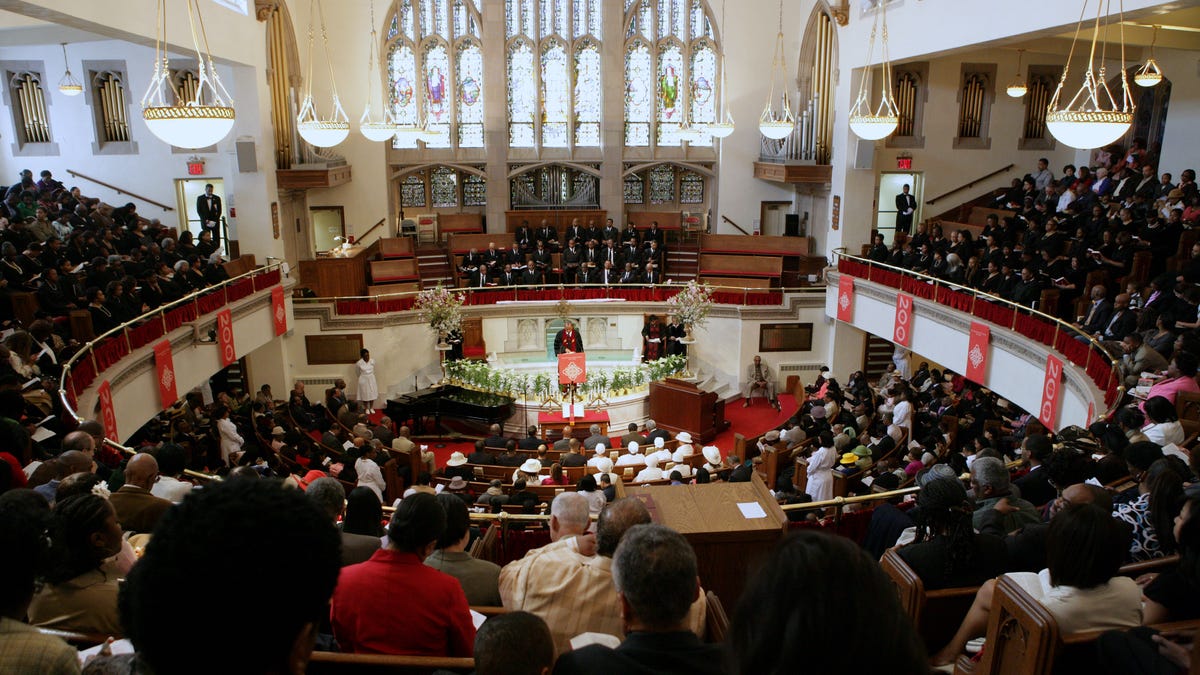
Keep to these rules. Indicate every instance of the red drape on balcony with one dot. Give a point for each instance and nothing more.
(140, 336)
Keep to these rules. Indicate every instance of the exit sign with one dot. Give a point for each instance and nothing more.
(904, 162)
(195, 166)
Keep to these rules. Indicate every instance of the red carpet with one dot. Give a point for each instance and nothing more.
(749, 422)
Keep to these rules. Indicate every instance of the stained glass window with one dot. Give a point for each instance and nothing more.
(635, 189)
(691, 188)
(662, 184)
(443, 185)
(474, 190)
(412, 191)
(435, 69)
(672, 63)
(554, 68)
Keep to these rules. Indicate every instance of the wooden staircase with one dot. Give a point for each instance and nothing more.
(876, 355)
(683, 263)
(433, 265)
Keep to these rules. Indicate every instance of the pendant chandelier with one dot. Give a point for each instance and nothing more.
(186, 123)
(68, 85)
(1017, 88)
(328, 132)
(383, 128)
(1149, 74)
(723, 127)
(867, 125)
(1093, 117)
(777, 124)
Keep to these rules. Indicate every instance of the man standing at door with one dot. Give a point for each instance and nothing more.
(906, 205)
(208, 208)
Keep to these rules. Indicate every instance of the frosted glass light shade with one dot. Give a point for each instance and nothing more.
(873, 127)
(775, 130)
(323, 134)
(1016, 90)
(1086, 130)
(377, 131)
(721, 129)
(188, 126)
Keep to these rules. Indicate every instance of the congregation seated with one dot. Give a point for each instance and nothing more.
(480, 579)
(947, 553)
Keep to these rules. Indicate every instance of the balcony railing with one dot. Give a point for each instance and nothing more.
(101, 353)
(1059, 335)
(401, 302)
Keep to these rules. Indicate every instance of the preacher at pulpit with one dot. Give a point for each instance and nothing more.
(568, 340)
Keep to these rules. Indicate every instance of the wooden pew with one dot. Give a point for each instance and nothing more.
(753, 284)
(389, 289)
(935, 614)
(461, 244)
(334, 663)
(394, 271)
(457, 224)
(25, 307)
(559, 219)
(396, 247)
(751, 245)
(718, 264)
(979, 215)
(239, 265)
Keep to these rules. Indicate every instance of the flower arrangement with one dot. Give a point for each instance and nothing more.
(440, 308)
(692, 304)
(607, 382)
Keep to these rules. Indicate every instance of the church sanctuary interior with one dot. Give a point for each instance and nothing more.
(600, 336)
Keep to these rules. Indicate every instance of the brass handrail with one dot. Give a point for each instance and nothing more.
(964, 186)
(1059, 324)
(494, 289)
(87, 350)
(739, 227)
(372, 229)
(120, 191)
(842, 501)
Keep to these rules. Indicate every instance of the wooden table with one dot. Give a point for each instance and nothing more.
(555, 422)
(729, 546)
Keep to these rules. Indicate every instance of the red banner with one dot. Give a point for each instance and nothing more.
(572, 368)
(902, 334)
(225, 337)
(977, 352)
(845, 302)
(165, 368)
(1051, 390)
(1091, 412)
(108, 415)
(278, 310)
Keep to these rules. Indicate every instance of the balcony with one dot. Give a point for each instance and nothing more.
(1021, 338)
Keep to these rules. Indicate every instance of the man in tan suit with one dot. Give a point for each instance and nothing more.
(137, 509)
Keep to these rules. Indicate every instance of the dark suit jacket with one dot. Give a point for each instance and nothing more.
(529, 443)
(1035, 487)
(1124, 324)
(1099, 319)
(481, 458)
(573, 459)
(358, 548)
(137, 509)
(206, 213)
(659, 653)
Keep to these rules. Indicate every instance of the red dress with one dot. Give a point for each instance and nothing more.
(652, 351)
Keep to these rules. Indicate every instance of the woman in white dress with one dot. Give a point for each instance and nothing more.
(231, 441)
(820, 469)
(368, 389)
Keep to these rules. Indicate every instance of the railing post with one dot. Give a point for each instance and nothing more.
(128, 342)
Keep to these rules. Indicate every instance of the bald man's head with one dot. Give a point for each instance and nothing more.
(142, 470)
(615, 520)
(81, 441)
(76, 462)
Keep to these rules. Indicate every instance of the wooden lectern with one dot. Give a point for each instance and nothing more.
(730, 547)
(676, 405)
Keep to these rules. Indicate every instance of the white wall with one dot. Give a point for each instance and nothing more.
(1181, 143)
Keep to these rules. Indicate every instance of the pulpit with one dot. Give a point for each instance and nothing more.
(731, 526)
(676, 405)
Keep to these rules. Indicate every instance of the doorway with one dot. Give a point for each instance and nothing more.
(773, 218)
(891, 183)
(187, 191)
(328, 227)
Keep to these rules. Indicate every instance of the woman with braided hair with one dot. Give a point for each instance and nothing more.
(79, 595)
(947, 553)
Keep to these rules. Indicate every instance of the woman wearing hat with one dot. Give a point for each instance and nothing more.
(459, 488)
(632, 458)
(529, 472)
(457, 466)
(660, 452)
(712, 458)
(685, 448)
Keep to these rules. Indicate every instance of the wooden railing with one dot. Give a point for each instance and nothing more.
(735, 225)
(964, 186)
(374, 227)
(120, 191)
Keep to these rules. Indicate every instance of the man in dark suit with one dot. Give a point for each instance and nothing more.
(1027, 291)
(548, 235)
(208, 208)
(137, 509)
(630, 275)
(608, 275)
(572, 258)
(1123, 320)
(329, 496)
(568, 340)
(651, 276)
(516, 257)
(610, 252)
(532, 276)
(495, 438)
(633, 436)
(524, 236)
(508, 277)
(1035, 486)
(471, 262)
(576, 231)
(1099, 312)
(610, 231)
(541, 259)
(493, 259)
(531, 440)
(906, 205)
(481, 456)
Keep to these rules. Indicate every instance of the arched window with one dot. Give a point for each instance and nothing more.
(663, 184)
(443, 187)
(435, 68)
(671, 64)
(554, 73)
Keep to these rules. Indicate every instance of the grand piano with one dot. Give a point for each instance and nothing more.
(450, 402)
